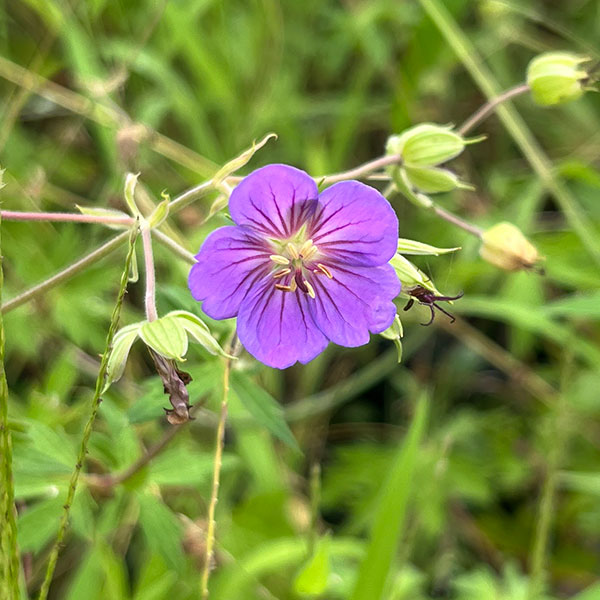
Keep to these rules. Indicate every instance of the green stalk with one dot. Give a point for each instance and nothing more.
(96, 400)
(514, 124)
(9, 573)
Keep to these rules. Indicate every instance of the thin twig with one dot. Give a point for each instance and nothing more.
(11, 215)
(150, 298)
(452, 218)
(8, 525)
(96, 400)
(214, 495)
(76, 267)
(172, 245)
(490, 106)
(362, 170)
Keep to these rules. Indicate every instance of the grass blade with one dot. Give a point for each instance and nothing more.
(389, 520)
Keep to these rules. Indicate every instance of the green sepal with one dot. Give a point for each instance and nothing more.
(199, 331)
(166, 336)
(121, 346)
(406, 246)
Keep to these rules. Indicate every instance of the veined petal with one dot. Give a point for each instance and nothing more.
(356, 301)
(355, 224)
(275, 200)
(230, 262)
(276, 327)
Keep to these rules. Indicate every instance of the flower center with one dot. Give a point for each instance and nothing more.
(294, 264)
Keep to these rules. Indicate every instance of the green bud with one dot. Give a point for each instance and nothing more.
(507, 248)
(428, 145)
(432, 180)
(556, 77)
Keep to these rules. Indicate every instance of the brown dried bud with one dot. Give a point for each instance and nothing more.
(174, 382)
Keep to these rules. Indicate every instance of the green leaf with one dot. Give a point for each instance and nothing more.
(390, 514)
(166, 336)
(38, 524)
(577, 305)
(312, 578)
(121, 346)
(196, 327)
(263, 407)
(162, 529)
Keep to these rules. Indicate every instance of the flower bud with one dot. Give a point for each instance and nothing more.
(428, 145)
(432, 180)
(507, 248)
(556, 77)
(411, 276)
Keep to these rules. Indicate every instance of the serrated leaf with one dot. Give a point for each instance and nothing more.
(263, 407)
(165, 336)
(313, 576)
(406, 246)
(239, 161)
(121, 346)
(198, 329)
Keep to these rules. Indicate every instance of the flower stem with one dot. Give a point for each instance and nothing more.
(9, 567)
(150, 299)
(452, 218)
(214, 496)
(489, 107)
(362, 170)
(11, 215)
(96, 400)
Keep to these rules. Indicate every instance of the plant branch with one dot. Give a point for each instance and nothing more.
(150, 298)
(489, 107)
(9, 565)
(65, 274)
(214, 496)
(96, 400)
(454, 220)
(172, 245)
(360, 171)
(10, 215)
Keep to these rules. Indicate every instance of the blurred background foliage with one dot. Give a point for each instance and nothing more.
(506, 470)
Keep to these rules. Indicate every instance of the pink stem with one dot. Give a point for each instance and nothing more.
(10, 215)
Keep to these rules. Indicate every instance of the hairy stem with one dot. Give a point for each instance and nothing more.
(96, 400)
(150, 298)
(515, 125)
(214, 495)
(490, 106)
(11, 215)
(362, 170)
(65, 274)
(9, 566)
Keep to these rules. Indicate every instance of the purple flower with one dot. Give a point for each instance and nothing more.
(299, 268)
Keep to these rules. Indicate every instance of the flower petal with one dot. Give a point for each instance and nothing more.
(276, 327)
(231, 260)
(358, 300)
(356, 224)
(275, 200)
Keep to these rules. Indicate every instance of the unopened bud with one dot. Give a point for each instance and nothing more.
(433, 180)
(507, 248)
(411, 276)
(557, 77)
(428, 145)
